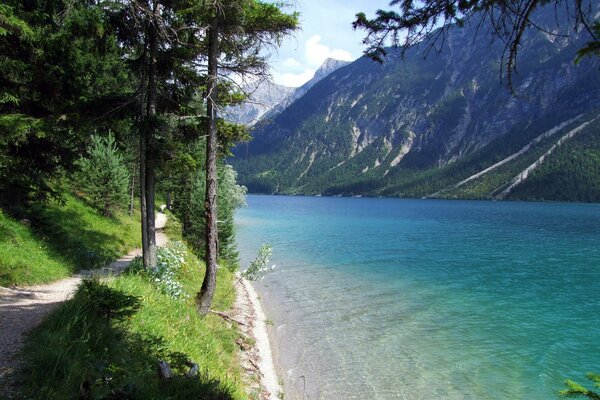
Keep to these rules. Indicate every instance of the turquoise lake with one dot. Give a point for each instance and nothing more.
(428, 299)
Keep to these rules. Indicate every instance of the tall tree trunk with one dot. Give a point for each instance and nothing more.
(150, 143)
(143, 205)
(142, 156)
(205, 296)
(132, 191)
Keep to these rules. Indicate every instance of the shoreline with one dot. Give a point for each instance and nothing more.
(257, 358)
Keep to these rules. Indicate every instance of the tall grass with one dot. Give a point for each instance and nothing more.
(77, 353)
(59, 239)
(24, 257)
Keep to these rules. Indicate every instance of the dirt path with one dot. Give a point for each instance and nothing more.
(22, 309)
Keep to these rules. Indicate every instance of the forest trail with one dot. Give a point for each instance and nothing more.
(24, 308)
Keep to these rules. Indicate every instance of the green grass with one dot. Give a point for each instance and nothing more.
(75, 350)
(173, 227)
(25, 258)
(62, 239)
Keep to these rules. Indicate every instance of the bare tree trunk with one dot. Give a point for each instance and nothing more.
(132, 192)
(143, 205)
(150, 143)
(151, 227)
(142, 155)
(205, 296)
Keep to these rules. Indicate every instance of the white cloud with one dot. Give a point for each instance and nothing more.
(340, 54)
(242, 80)
(295, 80)
(316, 53)
(295, 70)
(291, 63)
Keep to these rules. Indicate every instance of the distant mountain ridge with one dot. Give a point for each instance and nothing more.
(268, 99)
(329, 65)
(264, 95)
(416, 127)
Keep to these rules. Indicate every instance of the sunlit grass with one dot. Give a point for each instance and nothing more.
(59, 239)
(66, 352)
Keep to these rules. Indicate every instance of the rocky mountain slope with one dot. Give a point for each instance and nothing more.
(328, 66)
(268, 99)
(264, 95)
(417, 126)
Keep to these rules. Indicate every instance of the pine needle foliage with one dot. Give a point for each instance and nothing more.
(575, 390)
(103, 176)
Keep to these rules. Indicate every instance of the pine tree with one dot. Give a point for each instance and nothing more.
(239, 28)
(60, 61)
(103, 176)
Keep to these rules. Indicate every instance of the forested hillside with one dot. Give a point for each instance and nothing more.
(421, 123)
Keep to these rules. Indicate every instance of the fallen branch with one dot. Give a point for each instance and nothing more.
(227, 317)
(256, 367)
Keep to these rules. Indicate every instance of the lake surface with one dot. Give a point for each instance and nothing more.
(423, 299)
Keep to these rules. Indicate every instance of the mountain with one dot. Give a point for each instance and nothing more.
(422, 123)
(328, 66)
(264, 95)
(268, 99)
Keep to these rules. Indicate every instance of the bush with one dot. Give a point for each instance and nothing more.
(103, 177)
(170, 261)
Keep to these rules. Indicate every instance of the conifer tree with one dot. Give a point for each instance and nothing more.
(103, 176)
(164, 41)
(60, 63)
(238, 29)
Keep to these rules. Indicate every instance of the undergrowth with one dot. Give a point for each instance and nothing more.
(107, 341)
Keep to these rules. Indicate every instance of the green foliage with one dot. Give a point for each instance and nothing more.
(591, 48)
(103, 176)
(576, 390)
(79, 353)
(171, 259)
(260, 265)
(570, 173)
(62, 68)
(104, 302)
(59, 239)
(230, 197)
(186, 181)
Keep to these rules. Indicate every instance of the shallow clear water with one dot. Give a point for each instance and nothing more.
(423, 299)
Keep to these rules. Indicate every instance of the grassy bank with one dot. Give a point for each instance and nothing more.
(112, 350)
(58, 239)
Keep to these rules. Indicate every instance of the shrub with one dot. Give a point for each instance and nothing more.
(170, 261)
(260, 265)
(103, 176)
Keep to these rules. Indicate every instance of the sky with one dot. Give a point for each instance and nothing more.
(325, 31)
